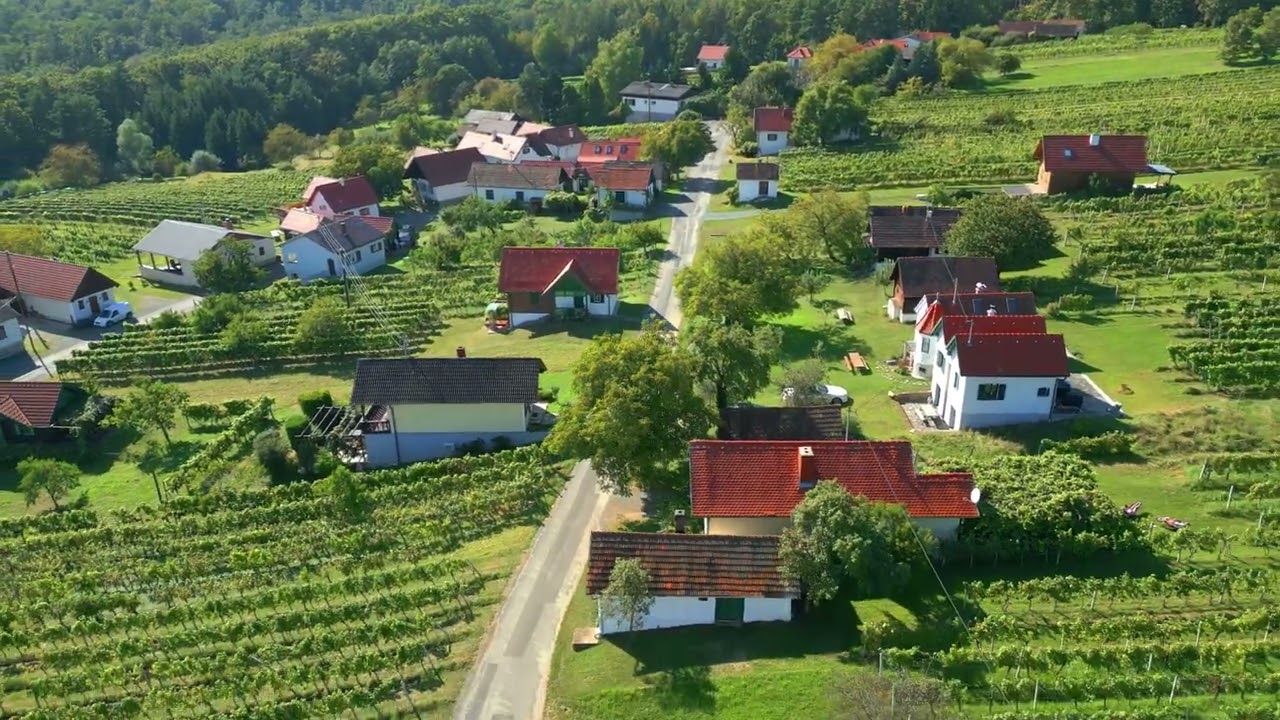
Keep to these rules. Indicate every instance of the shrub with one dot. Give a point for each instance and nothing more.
(1076, 302)
(1002, 117)
(167, 320)
(689, 115)
(236, 408)
(295, 425)
(711, 104)
(749, 149)
(273, 453)
(564, 203)
(1111, 444)
(548, 395)
(312, 401)
(731, 195)
(475, 447)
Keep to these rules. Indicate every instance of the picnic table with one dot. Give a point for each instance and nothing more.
(844, 316)
(855, 362)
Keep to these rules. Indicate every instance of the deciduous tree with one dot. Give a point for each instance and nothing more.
(1012, 230)
(617, 63)
(739, 278)
(964, 60)
(1007, 64)
(204, 161)
(828, 111)
(54, 478)
(627, 597)
(134, 148)
(284, 143)
(383, 165)
(836, 222)
(635, 409)
(677, 144)
(323, 326)
(732, 358)
(802, 380)
(1239, 36)
(228, 268)
(71, 166)
(150, 405)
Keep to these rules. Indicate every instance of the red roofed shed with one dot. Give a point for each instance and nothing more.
(751, 487)
(542, 281)
(1068, 161)
(772, 119)
(713, 54)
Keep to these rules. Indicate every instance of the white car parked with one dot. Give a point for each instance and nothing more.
(114, 313)
(830, 394)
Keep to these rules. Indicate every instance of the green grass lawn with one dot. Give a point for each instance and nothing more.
(1139, 64)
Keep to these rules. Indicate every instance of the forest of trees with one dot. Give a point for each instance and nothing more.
(225, 97)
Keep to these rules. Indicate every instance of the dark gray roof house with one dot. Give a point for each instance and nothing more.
(661, 91)
(347, 234)
(750, 422)
(430, 381)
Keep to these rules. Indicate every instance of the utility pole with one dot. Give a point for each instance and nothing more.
(17, 289)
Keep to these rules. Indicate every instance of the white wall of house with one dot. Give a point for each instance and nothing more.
(945, 529)
(669, 612)
(321, 206)
(771, 143)
(644, 108)
(10, 338)
(565, 152)
(502, 195)
(75, 312)
(1016, 399)
(444, 193)
(305, 260)
(922, 350)
(630, 198)
(747, 525)
(749, 190)
(185, 278)
(795, 63)
(711, 64)
(902, 315)
(597, 305)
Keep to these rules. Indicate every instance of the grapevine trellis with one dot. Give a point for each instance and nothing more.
(257, 603)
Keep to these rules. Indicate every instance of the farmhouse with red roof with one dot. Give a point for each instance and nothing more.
(712, 56)
(751, 487)
(1001, 378)
(1067, 162)
(934, 307)
(541, 281)
(625, 185)
(936, 331)
(799, 56)
(56, 290)
(773, 128)
(694, 579)
(28, 408)
(341, 196)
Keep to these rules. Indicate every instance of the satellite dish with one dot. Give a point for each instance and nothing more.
(975, 495)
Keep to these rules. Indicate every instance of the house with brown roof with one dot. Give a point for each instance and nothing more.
(31, 409)
(1002, 378)
(441, 177)
(755, 422)
(52, 289)
(542, 281)
(914, 277)
(694, 579)
(743, 487)
(772, 126)
(416, 409)
(1069, 162)
(798, 56)
(712, 56)
(10, 330)
(562, 142)
(934, 307)
(518, 182)
(337, 247)
(326, 196)
(631, 185)
(757, 180)
(908, 230)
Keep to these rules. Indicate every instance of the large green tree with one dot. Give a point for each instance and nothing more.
(228, 268)
(617, 63)
(837, 222)
(71, 166)
(677, 144)
(1239, 36)
(1012, 230)
(827, 112)
(836, 538)
(635, 409)
(733, 359)
(150, 405)
(739, 278)
(284, 143)
(383, 165)
(134, 148)
(54, 478)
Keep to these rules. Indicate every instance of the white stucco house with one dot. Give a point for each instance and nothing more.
(503, 148)
(751, 487)
(933, 308)
(10, 329)
(757, 181)
(327, 197)
(1005, 379)
(625, 185)
(172, 248)
(541, 281)
(334, 249)
(712, 56)
(773, 129)
(649, 101)
(522, 183)
(64, 292)
(441, 177)
(694, 579)
(416, 409)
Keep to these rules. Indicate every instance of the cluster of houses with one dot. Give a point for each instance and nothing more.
(502, 158)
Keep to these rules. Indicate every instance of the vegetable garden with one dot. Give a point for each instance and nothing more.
(1217, 120)
(300, 600)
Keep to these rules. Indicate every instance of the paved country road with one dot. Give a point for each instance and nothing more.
(509, 681)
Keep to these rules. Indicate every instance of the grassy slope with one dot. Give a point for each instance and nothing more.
(758, 672)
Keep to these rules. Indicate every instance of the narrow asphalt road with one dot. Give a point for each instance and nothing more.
(509, 681)
(50, 361)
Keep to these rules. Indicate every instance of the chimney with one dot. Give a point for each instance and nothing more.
(681, 522)
(808, 468)
(462, 352)
(1095, 140)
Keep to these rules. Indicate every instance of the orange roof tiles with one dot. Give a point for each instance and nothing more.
(692, 565)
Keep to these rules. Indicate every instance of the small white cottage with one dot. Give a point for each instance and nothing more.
(694, 579)
(757, 181)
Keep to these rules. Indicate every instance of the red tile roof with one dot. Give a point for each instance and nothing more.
(692, 565)
(599, 151)
(802, 52)
(344, 194)
(51, 279)
(1011, 355)
(713, 53)
(953, 326)
(443, 168)
(534, 270)
(772, 119)
(762, 478)
(613, 176)
(1112, 154)
(30, 403)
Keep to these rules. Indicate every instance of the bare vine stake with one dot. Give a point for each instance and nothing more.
(1198, 626)
(1230, 492)
(1035, 695)
(1150, 657)
(1173, 689)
